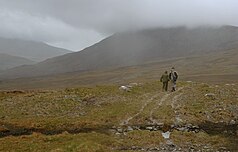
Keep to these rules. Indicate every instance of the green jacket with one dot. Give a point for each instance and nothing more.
(164, 78)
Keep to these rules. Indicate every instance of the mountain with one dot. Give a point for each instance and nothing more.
(134, 48)
(35, 51)
(216, 68)
(9, 61)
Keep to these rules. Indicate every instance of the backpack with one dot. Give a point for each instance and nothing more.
(173, 76)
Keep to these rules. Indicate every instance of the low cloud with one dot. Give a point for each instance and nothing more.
(76, 24)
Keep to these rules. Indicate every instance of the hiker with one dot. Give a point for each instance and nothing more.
(173, 76)
(165, 79)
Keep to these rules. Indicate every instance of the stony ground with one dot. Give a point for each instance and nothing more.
(197, 117)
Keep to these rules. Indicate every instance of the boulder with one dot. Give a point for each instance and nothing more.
(124, 88)
(166, 134)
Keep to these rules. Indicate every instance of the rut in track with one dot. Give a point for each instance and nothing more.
(125, 122)
(163, 100)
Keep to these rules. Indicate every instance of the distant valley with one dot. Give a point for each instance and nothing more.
(9, 61)
(35, 51)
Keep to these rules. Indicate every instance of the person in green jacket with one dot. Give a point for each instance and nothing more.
(165, 79)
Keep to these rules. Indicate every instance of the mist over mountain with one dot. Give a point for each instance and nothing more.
(35, 51)
(9, 61)
(134, 48)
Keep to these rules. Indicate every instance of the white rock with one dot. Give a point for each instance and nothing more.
(232, 122)
(149, 128)
(166, 134)
(120, 130)
(210, 95)
(125, 88)
(129, 128)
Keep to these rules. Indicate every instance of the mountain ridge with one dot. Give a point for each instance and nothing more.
(134, 48)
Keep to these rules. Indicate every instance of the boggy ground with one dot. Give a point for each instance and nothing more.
(104, 118)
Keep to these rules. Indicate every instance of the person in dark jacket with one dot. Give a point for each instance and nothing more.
(173, 76)
(165, 79)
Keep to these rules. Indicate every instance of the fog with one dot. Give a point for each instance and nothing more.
(76, 24)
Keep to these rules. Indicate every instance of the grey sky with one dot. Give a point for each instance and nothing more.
(75, 24)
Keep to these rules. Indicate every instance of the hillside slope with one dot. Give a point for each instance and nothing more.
(218, 67)
(9, 61)
(133, 48)
(104, 118)
(35, 51)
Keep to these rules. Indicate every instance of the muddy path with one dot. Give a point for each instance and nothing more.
(163, 97)
(166, 100)
(146, 103)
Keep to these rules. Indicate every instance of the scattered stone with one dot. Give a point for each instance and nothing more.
(65, 133)
(119, 130)
(160, 124)
(129, 128)
(128, 87)
(154, 149)
(205, 147)
(210, 95)
(125, 88)
(182, 129)
(170, 143)
(166, 134)
(136, 127)
(232, 122)
(149, 128)
(189, 126)
(222, 148)
(133, 147)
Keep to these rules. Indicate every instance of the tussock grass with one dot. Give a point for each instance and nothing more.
(84, 116)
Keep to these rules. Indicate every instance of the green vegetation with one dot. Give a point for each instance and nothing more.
(87, 118)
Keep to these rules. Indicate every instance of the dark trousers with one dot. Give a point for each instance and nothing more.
(165, 86)
(173, 83)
